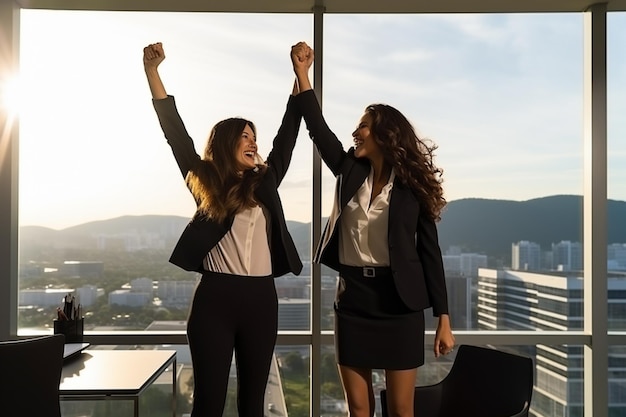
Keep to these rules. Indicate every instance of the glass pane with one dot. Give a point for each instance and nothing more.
(287, 390)
(501, 97)
(617, 381)
(616, 149)
(291, 392)
(333, 402)
(102, 202)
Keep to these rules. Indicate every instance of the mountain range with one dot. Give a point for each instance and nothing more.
(491, 226)
(475, 225)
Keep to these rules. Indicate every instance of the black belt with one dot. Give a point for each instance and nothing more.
(366, 271)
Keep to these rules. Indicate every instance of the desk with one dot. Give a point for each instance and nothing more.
(115, 375)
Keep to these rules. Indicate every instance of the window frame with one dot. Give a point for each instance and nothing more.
(595, 337)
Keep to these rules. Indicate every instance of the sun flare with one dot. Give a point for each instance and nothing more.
(10, 95)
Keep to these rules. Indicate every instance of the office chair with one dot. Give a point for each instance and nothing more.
(31, 370)
(482, 382)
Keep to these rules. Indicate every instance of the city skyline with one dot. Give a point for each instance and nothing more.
(501, 95)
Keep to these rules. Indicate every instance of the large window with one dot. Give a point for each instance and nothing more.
(500, 95)
(102, 201)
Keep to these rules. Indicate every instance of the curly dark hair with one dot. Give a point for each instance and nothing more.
(410, 156)
(220, 189)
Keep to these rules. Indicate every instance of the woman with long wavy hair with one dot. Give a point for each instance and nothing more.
(382, 239)
(238, 240)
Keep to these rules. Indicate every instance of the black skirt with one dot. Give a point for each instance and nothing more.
(373, 327)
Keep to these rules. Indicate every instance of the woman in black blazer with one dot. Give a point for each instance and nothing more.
(382, 238)
(238, 240)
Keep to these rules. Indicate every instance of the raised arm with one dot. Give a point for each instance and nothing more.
(329, 147)
(280, 156)
(171, 123)
(153, 55)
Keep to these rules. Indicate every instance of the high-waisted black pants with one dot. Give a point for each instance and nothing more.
(231, 312)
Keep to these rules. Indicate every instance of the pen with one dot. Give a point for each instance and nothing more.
(60, 314)
(65, 305)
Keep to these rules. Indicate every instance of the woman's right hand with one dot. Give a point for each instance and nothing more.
(302, 56)
(153, 55)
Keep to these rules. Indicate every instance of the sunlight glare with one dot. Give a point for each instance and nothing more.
(10, 95)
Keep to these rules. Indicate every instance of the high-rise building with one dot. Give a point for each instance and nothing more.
(294, 314)
(526, 256)
(461, 271)
(616, 254)
(88, 294)
(567, 256)
(176, 293)
(519, 300)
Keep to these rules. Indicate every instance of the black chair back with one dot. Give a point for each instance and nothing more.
(482, 382)
(32, 374)
(489, 382)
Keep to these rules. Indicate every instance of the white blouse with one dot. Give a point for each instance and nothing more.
(245, 249)
(364, 226)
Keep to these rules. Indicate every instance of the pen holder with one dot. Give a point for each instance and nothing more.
(72, 329)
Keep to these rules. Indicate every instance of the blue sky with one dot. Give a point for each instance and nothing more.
(501, 95)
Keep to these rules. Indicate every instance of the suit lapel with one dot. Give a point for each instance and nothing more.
(263, 193)
(404, 208)
(352, 181)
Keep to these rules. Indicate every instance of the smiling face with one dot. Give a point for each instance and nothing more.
(365, 146)
(232, 146)
(245, 151)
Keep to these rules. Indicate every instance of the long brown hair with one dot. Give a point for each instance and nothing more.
(410, 156)
(220, 189)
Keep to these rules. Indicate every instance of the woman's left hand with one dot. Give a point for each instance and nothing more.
(444, 339)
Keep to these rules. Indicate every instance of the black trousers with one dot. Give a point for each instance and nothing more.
(232, 313)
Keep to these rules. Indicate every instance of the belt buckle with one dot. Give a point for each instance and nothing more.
(369, 272)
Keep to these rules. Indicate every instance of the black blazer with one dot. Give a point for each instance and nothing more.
(414, 252)
(202, 234)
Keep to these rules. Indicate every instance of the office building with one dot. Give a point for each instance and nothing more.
(525, 256)
(49, 297)
(294, 313)
(520, 300)
(129, 298)
(88, 294)
(82, 269)
(567, 256)
(175, 293)
(616, 254)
